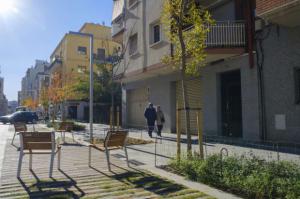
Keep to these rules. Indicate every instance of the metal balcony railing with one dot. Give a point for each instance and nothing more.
(227, 34)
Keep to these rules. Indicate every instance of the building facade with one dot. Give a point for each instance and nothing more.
(3, 99)
(233, 98)
(279, 63)
(72, 56)
(31, 82)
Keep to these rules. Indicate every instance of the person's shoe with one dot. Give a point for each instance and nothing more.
(150, 135)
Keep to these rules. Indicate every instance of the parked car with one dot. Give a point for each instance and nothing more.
(20, 116)
(21, 108)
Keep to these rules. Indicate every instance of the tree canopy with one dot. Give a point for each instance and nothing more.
(186, 25)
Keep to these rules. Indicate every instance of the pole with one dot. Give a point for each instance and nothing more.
(111, 119)
(178, 131)
(200, 137)
(91, 88)
(118, 117)
(112, 97)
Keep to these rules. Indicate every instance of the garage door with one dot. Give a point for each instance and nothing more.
(137, 100)
(194, 91)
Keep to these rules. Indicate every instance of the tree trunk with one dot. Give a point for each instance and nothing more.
(186, 107)
(183, 80)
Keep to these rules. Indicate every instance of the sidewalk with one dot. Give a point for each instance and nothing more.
(143, 157)
(77, 180)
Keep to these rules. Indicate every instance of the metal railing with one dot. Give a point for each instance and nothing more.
(227, 34)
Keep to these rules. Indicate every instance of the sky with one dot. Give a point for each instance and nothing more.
(31, 29)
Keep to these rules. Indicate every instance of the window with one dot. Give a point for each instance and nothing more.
(133, 41)
(81, 69)
(100, 54)
(81, 50)
(297, 85)
(155, 35)
(131, 3)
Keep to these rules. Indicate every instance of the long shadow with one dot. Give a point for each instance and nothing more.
(148, 182)
(82, 193)
(37, 189)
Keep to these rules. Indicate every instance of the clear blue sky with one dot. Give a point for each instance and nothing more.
(31, 29)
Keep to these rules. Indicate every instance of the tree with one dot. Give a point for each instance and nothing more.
(30, 103)
(56, 92)
(186, 26)
(102, 85)
(44, 98)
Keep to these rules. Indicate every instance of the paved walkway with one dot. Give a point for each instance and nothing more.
(76, 179)
(167, 146)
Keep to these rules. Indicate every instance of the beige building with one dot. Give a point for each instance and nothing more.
(249, 88)
(136, 24)
(71, 57)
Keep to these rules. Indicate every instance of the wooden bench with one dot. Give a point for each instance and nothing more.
(19, 127)
(65, 127)
(38, 143)
(113, 140)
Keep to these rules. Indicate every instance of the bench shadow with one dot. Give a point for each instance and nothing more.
(140, 179)
(51, 188)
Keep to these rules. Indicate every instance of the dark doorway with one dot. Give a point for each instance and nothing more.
(231, 104)
(72, 112)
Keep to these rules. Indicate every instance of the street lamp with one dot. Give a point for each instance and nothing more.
(91, 78)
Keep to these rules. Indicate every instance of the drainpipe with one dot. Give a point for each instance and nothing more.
(144, 36)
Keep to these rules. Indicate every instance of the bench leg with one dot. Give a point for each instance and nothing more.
(126, 154)
(12, 142)
(20, 164)
(51, 164)
(90, 156)
(107, 158)
(58, 158)
(30, 161)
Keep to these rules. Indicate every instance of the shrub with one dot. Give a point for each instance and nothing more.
(249, 177)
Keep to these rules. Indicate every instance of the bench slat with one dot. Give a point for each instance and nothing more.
(38, 145)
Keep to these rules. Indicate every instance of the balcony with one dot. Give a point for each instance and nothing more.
(55, 65)
(118, 20)
(226, 35)
(225, 39)
(118, 29)
(284, 12)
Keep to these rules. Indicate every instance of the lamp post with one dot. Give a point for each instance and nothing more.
(91, 79)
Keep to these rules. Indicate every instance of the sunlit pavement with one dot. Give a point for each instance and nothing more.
(76, 179)
(4, 135)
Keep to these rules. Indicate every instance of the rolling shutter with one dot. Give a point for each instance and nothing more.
(194, 91)
(137, 100)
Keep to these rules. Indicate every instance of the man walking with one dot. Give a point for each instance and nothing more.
(150, 115)
(160, 120)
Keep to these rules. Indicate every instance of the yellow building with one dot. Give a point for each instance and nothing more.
(72, 56)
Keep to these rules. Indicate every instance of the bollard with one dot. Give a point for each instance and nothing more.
(200, 137)
(178, 131)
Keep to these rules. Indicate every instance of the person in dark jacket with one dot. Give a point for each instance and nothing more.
(150, 115)
(160, 120)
